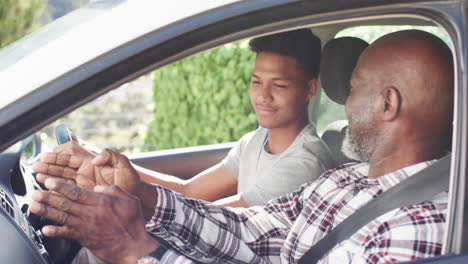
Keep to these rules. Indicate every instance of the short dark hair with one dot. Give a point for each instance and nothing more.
(300, 44)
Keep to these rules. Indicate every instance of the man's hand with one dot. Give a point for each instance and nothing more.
(108, 221)
(72, 163)
(78, 148)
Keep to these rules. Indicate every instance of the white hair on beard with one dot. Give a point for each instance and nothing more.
(360, 145)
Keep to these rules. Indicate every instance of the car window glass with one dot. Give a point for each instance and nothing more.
(331, 111)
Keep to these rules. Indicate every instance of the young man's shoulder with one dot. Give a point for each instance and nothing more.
(309, 146)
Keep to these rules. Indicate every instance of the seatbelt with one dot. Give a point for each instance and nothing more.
(420, 187)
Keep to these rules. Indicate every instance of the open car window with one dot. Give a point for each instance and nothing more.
(213, 107)
(200, 100)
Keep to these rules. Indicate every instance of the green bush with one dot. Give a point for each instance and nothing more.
(202, 100)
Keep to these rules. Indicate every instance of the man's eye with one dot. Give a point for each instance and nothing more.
(255, 82)
(280, 85)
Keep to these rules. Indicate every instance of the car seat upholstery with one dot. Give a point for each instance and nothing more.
(339, 56)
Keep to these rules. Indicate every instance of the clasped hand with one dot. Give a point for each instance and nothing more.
(74, 164)
(88, 197)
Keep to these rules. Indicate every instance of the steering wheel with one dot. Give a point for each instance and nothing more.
(60, 249)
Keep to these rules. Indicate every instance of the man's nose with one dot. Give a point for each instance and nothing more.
(265, 93)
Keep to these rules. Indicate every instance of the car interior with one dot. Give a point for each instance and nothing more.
(340, 54)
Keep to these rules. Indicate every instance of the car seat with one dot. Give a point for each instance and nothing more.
(339, 56)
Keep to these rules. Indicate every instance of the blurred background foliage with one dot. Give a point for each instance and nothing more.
(20, 17)
(17, 18)
(203, 99)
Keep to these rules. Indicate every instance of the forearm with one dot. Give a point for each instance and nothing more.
(211, 184)
(232, 233)
(148, 198)
(165, 180)
(176, 221)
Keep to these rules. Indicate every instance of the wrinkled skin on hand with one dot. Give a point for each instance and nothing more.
(108, 221)
(72, 163)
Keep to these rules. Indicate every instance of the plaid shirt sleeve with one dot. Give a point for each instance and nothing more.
(211, 233)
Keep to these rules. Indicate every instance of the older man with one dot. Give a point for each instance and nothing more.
(400, 113)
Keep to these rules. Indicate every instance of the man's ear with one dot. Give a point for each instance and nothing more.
(312, 87)
(391, 103)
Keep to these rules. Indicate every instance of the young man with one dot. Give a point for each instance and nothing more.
(400, 117)
(285, 151)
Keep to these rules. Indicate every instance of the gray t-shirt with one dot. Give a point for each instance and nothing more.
(262, 176)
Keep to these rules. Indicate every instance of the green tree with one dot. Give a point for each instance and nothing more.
(203, 99)
(17, 18)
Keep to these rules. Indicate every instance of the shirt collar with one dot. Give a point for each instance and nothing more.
(391, 179)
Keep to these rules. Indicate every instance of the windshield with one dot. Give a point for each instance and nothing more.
(83, 35)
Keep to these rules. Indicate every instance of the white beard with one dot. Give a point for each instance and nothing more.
(359, 149)
(361, 145)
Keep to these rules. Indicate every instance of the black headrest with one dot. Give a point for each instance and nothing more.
(339, 56)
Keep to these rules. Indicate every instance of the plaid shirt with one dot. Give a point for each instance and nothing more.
(285, 228)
